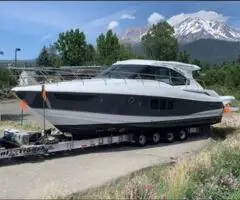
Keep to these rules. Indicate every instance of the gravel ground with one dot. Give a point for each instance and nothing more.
(230, 120)
(62, 175)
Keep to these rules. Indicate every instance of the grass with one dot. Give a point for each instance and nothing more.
(18, 125)
(212, 173)
(7, 96)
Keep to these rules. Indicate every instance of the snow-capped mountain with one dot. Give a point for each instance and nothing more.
(133, 35)
(188, 30)
(192, 29)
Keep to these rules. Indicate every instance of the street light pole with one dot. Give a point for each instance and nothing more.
(16, 50)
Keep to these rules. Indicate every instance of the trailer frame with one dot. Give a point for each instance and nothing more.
(46, 149)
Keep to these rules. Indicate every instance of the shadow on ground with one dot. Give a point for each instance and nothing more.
(216, 134)
(13, 117)
(220, 133)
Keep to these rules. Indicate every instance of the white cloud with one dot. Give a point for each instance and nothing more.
(103, 21)
(36, 14)
(112, 25)
(36, 17)
(128, 16)
(207, 15)
(155, 18)
(46, 37)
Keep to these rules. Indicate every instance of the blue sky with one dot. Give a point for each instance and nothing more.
(30, 25)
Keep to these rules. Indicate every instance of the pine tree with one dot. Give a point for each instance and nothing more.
(160, 43)
(184, 57)
(108, 48)
(72, 47)
(43, 59)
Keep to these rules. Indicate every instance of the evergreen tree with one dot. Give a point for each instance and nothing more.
(108, 48)
(43, 59)
(197, 62)
(126, 52)
(72, 47)
(90, 55)
(184, 57)
(238, 59)
(159, 43)
(54, 55)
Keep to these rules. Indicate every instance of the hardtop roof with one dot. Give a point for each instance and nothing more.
(168, 64)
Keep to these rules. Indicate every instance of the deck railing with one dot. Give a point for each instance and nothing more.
(33, 76)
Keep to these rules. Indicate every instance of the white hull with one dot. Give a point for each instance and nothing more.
(63, 117)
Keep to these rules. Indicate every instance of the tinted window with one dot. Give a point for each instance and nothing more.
(155, 73)
(145, 72)
(123, 71)
(137, 72)
(163, 75)
(162, 104)
(154, 104)
(177, 78)
(150, 73)
(170, 104)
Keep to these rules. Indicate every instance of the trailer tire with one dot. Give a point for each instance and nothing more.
(141, 140)
(156, 138)
(182, 135)
(207, 131)
(170, 137)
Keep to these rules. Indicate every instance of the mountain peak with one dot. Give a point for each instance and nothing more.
(133, 35)
(195, 28)
(188, 30)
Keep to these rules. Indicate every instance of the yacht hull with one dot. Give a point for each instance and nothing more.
(86, 125)
(87, 115)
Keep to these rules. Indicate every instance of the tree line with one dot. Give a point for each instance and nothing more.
(224, 78)
(72, 49)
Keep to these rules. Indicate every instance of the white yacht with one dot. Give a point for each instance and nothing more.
(131, 95)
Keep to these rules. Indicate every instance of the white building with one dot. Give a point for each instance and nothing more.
(27, 78)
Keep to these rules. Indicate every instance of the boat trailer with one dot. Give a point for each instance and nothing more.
(18, 143)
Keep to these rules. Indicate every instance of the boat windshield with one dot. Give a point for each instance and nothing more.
(158, 73)
(123, 71)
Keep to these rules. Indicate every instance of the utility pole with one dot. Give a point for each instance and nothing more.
(16, 50)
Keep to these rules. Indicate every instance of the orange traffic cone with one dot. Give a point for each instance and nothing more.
(227, 108)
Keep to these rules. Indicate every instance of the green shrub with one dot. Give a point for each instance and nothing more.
(224, 79)
(234, 195)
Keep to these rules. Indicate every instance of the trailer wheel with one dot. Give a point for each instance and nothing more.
(182, 135)
(156, 138)
(207, 131)
(169, 137)
(141, 140)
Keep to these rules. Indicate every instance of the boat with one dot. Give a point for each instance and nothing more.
(130, 96)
